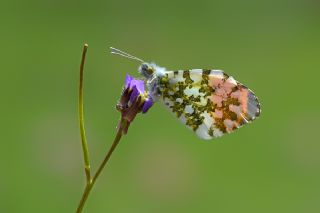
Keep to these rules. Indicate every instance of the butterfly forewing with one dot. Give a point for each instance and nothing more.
(209, 102)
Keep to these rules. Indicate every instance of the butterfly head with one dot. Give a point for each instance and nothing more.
(147, 70)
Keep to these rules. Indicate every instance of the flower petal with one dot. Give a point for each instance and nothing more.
(134, 94)
(128, 81)
(147, 104)
(139, 85)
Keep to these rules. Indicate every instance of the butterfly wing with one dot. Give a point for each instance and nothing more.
(209, 102)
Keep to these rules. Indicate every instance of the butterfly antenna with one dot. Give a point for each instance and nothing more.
(124, 54)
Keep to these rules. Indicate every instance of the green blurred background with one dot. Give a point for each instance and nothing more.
(272, 165)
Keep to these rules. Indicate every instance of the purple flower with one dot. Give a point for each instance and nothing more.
(134, 99)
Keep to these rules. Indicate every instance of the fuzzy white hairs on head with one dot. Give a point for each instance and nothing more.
(124, 54)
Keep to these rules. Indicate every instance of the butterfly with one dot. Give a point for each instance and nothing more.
(209, 102)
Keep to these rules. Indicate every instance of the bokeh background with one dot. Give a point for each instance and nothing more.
(272, 165)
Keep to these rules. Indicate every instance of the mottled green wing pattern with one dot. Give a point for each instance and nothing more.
(208, 101)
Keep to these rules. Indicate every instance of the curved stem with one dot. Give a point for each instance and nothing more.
(81, 118)
(87, 190)
(106, 158)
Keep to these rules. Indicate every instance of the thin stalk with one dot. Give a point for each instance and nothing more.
(90, 185)
(81, 119)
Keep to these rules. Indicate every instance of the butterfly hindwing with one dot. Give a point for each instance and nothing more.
(209, 102)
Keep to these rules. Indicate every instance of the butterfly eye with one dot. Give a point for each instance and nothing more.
(150, 70)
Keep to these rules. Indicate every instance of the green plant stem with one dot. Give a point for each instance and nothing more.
(90, 185)
(81, 119)
(123, 125)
